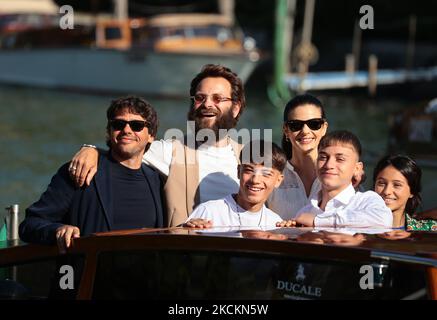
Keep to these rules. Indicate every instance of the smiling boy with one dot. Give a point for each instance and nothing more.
(246, 208)
(338, 204)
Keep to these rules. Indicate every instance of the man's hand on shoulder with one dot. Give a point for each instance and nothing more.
(64, 236)
(83, 167)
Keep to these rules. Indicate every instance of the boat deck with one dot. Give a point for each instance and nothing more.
(343, 80)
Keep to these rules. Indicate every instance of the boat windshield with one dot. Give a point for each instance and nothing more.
(216, 31)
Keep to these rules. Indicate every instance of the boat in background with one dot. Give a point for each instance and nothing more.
(20, 15)
(414, 132)
(156, 56)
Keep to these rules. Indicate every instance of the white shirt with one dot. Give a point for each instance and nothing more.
(227, 213)
(218, 174)
(351, 209)
(290, 196)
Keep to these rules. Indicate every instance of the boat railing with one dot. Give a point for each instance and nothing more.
(429, 262)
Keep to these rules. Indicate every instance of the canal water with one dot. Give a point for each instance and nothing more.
(41, 129)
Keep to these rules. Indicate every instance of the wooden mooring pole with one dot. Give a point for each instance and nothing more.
(279, 93)
(373, 71)
(411, 47)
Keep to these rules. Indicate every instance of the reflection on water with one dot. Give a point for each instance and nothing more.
(41, 129)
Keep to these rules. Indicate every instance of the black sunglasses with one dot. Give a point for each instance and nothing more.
(313, 124)
(135, 125)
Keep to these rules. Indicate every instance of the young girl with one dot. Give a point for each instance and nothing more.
(397, 179)
(304, 125)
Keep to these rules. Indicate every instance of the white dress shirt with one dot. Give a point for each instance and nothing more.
(226, 213)
(290, 196)
(218, 167)
(351, 209)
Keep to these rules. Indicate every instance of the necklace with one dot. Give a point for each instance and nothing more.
(241, 210)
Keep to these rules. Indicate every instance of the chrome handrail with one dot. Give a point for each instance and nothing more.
(404, 258)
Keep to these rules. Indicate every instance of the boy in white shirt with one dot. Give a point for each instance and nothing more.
(246, 208)
(338, 204)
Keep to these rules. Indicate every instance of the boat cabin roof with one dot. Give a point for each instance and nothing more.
(184, 20)
(28, 7)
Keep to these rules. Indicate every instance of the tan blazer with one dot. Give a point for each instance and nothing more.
(182, 185)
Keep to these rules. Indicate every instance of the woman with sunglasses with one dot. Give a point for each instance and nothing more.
(304, 125)
(397, 179)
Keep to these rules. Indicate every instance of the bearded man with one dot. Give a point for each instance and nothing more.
(205, 171)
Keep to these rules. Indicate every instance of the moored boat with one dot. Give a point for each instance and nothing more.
(20, 15)
(414, 132)
(157, 55)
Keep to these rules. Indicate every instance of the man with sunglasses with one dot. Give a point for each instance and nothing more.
(125, 193)
(193, 174)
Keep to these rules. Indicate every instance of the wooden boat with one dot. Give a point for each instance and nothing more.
(414, 132)
(181, 263)
(20, 15)
(155, 56)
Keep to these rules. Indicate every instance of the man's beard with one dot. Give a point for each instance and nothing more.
(223, 121)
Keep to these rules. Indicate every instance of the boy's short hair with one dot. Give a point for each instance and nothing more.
(269, 153)
(342, 137)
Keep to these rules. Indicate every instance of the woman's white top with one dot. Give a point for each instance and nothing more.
(290, 196)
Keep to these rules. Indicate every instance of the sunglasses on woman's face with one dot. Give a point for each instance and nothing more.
(135, 125)
(297, 125)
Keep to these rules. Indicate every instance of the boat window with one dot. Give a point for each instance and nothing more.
(40, 280)
(6, 20)
(140, 36)
(147, 274)
(212, 31)
(223, 35)
(172, 32)
(112, 33)
(8, 41)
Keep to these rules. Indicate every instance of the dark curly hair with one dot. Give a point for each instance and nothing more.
(135, 105)
(410, 170)
(218, 71)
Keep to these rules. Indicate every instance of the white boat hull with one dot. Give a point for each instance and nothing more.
(110, 71)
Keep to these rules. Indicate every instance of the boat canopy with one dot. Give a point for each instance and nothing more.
(28, 6)
(178, 20)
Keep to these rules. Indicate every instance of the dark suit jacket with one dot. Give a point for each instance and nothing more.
(87, 208)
